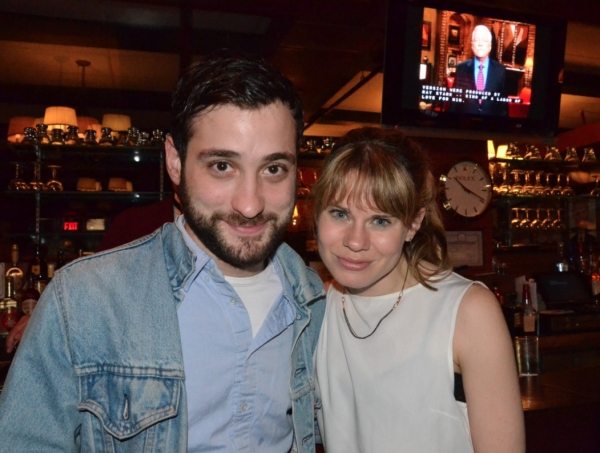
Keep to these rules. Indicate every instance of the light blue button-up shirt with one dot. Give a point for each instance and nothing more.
(238, 385)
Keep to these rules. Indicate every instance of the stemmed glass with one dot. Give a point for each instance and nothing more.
(528, 187)
(515, 223)
(536, 224)
(17, 183)
(37, 183)
(53, 184)
(526, 222)
(302, 188)
(567, 189)
(558, 224)
(517, 186)
(571, 155)
(504, 188)
(588, 155)
(596, 190)
(557, 189)
(539, 188)
(547, 222)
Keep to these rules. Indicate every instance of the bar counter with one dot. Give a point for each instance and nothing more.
(562, 404)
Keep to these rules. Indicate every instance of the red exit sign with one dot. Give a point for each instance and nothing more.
(70, 226)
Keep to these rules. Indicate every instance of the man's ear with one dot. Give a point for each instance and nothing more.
(173, 161)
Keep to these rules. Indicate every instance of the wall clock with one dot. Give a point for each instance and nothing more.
(467, 189)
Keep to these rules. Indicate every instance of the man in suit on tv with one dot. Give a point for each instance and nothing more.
(481, 78)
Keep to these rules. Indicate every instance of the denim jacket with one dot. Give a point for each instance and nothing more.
(100, 368)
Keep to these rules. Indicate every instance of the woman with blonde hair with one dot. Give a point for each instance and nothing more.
(406, 345)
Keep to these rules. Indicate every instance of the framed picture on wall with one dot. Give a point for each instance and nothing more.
(451, 61)
(454, 35)
(426, 35)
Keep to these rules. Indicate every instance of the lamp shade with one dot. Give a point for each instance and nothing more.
(60, 117)
(84, 123)
(16, 127)
(116, 122)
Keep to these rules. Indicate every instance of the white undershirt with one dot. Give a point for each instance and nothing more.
(258, 293)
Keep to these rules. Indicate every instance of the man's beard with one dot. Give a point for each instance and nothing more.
(247, 252)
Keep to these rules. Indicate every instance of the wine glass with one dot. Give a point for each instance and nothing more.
(567, 189)
(539, 188)
(54, 184)
(588, 155)
(36, 183)
(547, 222)
(527, 188)
(517, 186)
(552, 154)
(515, 223)
(302, 188)
(571, 155)
(558, 224)
(557, 189)
(17, 183)
(596, 190)
(504, 188)
(536, 224)
(526, 222)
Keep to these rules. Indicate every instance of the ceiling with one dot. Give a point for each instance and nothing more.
(138, 48)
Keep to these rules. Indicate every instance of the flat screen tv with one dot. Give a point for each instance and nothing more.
(432, 74)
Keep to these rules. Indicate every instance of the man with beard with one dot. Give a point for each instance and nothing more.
(198, 337)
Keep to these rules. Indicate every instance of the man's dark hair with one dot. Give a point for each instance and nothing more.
(225, 78)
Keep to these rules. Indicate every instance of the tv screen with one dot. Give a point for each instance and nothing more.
(461, 66)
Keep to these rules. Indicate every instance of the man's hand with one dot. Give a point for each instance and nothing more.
(15, 334)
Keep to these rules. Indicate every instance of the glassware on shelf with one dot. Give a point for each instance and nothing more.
(133, 134)
(512, 152)
(90, 138)
(571, 155)
(57, 137)
(327, 145)
(558, 224)
(143, 139)
(516, 187)
(546, 224)
(30, 137)
(596, 190)
(589, 155)
(536, 224)
(552, 154)
(526, 222)
(302, 188)
(515, 223)
(106, 139)
(567, 189)
(539, 189)
(158, 138)
(36, 183)
(122, 138)
(557, 189)
(533, 153)
(18, 183)
(504, 187)
(528, 187)
(54, 184)
(72, 136)
(42, 134)
(311, 146)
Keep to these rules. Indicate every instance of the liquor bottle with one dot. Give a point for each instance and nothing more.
(530, 315)
(15, 272)
(513, 314)
(9, 315)
(30, 297)
(39, 269)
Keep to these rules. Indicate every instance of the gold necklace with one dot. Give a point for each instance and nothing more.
(384, 316)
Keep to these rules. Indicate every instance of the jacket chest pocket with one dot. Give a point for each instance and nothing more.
(126, 411)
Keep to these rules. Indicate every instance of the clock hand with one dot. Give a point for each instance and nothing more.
(466, 189)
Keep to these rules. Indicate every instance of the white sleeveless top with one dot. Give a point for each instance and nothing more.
(394, 391)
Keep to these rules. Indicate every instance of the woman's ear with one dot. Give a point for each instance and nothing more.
(416, 225)
(173, 161)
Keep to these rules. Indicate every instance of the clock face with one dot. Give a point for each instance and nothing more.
(467, 189)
